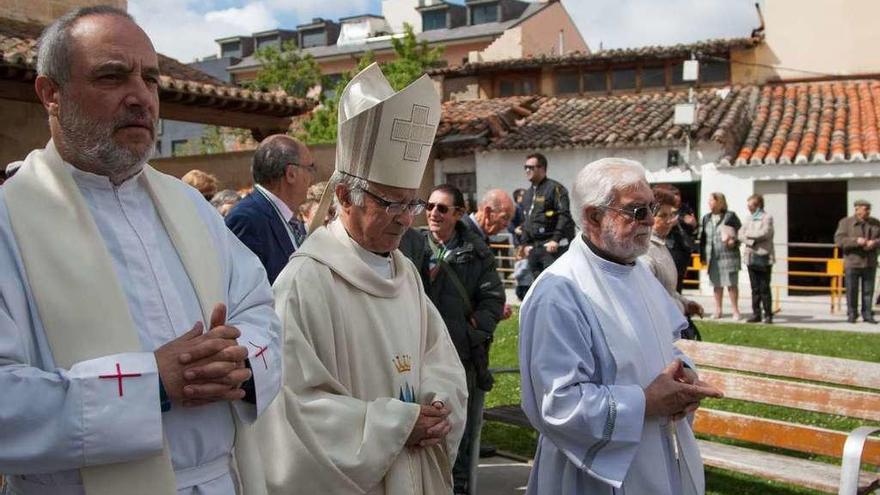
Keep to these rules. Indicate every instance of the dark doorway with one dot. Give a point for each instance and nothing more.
(814, 208)
(690, 201)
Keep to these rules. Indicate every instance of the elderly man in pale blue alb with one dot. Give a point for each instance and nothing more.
(601, 380)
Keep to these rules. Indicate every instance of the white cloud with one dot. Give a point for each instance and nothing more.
(179, 30)
(186, 30)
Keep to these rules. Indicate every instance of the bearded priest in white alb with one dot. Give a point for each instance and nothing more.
(374, 393)
(602, 382)
(137, 334)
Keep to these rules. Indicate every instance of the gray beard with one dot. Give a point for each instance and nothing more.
(627, 250)
(91, 142)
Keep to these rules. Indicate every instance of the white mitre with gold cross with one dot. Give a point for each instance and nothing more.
(383, 136)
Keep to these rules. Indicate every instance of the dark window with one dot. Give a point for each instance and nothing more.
(434, 19)
(653, 77)
(507, 88)
(482, 14)
(178, 147)
(231, 49)
(595, 81)
(677, 77)
(517, 86)
(158, 148)
(314, 38)
(567, 82)
(714, 72)
(268, 41)
(623, 79)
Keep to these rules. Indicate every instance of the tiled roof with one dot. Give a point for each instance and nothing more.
(179, 83)
(434, 36)
(468, 126)
(707, 47)
(592, 121)
(815, 122)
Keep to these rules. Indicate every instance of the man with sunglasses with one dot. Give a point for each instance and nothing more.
(462, 282)
(374, 395)
(267, 220)
(548, 227)
(601, 379)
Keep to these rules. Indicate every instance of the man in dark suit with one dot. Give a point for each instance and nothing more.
(266, 221)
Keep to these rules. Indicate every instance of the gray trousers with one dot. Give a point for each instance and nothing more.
(860, 278)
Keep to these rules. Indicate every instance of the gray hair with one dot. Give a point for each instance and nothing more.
(272, 157)
(354, 185)
(598, 182)
(55, 44)
(223, 197)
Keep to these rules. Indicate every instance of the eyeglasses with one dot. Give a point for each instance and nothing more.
(443, 209)
(529, 167)
(638, 213)
(397, 207)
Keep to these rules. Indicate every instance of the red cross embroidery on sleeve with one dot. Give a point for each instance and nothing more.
(260, 352)
(119, 376)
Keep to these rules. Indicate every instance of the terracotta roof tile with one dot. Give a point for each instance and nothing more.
(813, 122)
(598, 121)
(179, 82)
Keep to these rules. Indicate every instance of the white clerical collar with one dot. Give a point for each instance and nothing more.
(96, 181)
(285, 210)
(383, 265)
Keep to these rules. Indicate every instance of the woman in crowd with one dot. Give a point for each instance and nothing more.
(659, 259)
(720, 250)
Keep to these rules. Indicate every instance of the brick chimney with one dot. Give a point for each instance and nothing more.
(46, 11)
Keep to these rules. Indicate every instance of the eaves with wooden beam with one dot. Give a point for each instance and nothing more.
(185, 94)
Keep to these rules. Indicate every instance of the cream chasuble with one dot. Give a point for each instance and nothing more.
(593, 335)
(360, 353)
(58, 251)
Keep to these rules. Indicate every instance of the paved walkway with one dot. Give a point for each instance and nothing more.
(502, 476)
(796, 311)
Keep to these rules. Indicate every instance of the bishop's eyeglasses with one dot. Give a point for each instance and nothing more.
(396, 207)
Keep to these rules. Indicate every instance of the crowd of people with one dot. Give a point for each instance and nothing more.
(307, 339)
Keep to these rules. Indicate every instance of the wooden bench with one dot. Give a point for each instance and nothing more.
(800, 381)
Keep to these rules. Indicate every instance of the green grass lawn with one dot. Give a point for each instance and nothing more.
(864, 347)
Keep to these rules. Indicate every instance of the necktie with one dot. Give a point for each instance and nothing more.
(299, 231)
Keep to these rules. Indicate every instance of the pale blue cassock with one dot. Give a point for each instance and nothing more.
(593, 335)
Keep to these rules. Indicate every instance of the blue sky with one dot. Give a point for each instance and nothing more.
(186, 29)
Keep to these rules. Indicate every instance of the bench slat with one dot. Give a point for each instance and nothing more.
(511, 414)
(816, 475)
(804, 396)
(792, 436)
(823, 369)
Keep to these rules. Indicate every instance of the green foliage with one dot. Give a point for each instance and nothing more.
(287, 69)
(413, 58)
(850, 345)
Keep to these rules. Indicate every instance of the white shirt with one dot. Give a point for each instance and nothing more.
(286, 212)
(54, 422)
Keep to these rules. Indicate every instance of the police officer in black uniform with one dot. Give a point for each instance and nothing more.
(548, 227)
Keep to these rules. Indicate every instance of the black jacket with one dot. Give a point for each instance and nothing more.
(550, 217)
(474, 264)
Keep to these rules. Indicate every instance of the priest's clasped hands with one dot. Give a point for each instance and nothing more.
(431, 427)
(202, 367)
(677, 392)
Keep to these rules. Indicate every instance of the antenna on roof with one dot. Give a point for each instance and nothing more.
(758, 31)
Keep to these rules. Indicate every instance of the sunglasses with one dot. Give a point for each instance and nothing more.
(637, 213)
(443, 209)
